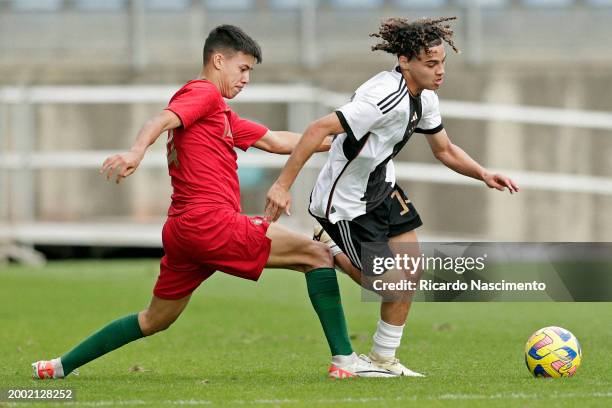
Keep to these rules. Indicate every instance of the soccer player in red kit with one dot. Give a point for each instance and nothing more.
(205, 230)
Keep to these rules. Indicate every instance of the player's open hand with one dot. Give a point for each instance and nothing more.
(278, 200)
(122, 164)
(500, 182)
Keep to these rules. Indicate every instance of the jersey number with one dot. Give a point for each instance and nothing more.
(403, 203)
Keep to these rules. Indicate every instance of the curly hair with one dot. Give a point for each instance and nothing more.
(401, 37)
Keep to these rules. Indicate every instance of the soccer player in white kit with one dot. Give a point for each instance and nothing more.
(356, 199)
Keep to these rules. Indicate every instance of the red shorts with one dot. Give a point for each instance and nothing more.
(201, 241)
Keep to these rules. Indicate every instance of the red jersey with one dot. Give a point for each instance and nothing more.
(202, 162)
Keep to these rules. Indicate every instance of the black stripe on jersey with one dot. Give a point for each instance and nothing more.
(351, 146)
(430, 131)
(361, 143)
(396, 103)
(344, 123)
(392, 94)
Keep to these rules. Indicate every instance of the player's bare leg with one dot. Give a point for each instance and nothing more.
(160, 314)
(396, 313)
(344, 263)
(298, 252)
(393, 312)
(295, 251)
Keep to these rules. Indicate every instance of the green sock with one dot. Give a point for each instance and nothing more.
(325, 297)
(108, 338)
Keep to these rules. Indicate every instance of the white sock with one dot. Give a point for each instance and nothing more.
(387, 339)
(334, 248)
(339, 360)
(58, 368)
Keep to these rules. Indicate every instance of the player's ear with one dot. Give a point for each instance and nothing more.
(218, 60)
(403, 62)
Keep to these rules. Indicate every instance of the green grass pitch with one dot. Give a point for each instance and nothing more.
(241, 343)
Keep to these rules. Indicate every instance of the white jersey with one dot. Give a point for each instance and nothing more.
(378, 121)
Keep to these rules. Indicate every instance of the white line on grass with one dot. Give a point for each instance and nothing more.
(365, 400)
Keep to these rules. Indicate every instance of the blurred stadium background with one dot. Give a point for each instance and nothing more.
(529, 94)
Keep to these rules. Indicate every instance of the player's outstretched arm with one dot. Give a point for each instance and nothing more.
(283, 142)
(126, 163)
(278, 199)
(457, 159)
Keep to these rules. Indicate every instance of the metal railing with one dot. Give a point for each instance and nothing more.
(18, 163)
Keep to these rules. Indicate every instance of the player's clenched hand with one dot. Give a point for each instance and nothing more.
(278, 200)
(500, 182)
(123, 164)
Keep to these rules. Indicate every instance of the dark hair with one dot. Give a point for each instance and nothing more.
(401, 37)
(229, 37)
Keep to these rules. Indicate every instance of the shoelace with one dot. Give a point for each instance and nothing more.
(392, 361)
(395, 361)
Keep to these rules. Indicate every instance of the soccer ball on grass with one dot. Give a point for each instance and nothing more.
(552, 352)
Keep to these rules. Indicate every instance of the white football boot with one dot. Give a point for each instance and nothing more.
(356, 366)
(322, 236)
(47, 369)
(393, 365)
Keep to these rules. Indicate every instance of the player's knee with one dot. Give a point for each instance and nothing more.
(319, 256)
(151, 323)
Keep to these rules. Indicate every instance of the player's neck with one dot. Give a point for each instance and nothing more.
(413, 88)
(207, 76)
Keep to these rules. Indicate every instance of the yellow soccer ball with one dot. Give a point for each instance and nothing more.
(552, 352)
